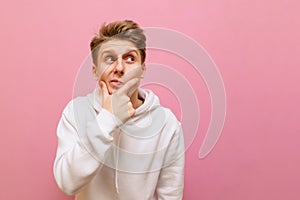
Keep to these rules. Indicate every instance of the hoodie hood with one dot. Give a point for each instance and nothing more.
(151, 102)
(139, 124)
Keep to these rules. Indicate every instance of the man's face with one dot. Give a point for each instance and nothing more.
(118, 62)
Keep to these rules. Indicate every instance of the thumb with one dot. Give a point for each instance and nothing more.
(130, 87)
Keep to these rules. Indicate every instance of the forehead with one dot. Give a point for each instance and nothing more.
(117, 46)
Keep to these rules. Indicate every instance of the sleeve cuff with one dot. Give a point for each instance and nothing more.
(107, 122)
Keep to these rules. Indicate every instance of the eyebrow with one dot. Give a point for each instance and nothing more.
(126, 52)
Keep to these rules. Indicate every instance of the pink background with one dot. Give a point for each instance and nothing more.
(255, 45)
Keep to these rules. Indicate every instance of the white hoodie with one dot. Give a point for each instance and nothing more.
(99, 158)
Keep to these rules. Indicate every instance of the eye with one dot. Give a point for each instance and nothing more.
(130, 59)
(109, 59)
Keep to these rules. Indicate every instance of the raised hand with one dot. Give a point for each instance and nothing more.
(119, 102)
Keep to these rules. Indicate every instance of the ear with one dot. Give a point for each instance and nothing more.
(144, 70)
(94, 71)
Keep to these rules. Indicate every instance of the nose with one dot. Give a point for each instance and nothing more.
(119, 67)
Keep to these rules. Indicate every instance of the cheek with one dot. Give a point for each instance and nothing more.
(103, 72)
(134, 72)
(103, 76)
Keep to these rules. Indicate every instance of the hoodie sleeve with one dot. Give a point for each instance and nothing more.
(171, 179)
(77, 162)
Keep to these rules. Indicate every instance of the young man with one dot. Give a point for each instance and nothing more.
(118, 142)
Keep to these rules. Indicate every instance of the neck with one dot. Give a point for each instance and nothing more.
(136, 102)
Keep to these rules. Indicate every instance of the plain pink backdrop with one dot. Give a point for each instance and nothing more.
(255, 45)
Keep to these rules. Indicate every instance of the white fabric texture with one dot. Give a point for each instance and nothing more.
(100, 158)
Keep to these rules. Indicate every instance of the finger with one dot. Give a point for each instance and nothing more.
(131, 110)
(129, 87)
(104, 89)
(134, 73)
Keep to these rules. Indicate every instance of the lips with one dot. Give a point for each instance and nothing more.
(116, 83)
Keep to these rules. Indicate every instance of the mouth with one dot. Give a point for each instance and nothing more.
(116, 83)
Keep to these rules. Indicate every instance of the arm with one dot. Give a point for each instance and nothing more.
(77, 162)
(82, 143)
(171, 178)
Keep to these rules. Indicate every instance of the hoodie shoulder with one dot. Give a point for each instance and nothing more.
(171, 121)
(170, 115)
(76, 103)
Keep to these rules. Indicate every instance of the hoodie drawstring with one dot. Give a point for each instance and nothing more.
(116, 152)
